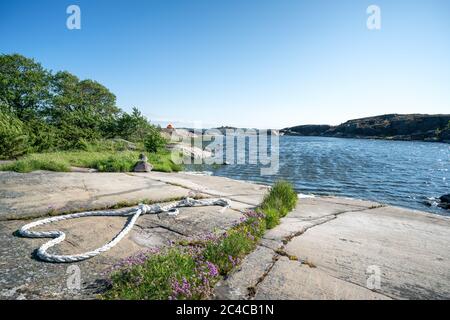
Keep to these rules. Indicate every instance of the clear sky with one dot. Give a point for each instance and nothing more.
(257, 63)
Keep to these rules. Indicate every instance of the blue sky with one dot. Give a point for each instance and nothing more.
(258, 63)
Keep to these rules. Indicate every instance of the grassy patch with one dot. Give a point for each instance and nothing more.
(272, 218)
(190, 270)
(235, 244)
(33, 163)
(106, 161)
(157, 277)
(278, 202)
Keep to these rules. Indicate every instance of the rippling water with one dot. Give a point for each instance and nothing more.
(394, 172)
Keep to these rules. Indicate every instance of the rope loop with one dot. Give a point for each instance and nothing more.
(59, 236)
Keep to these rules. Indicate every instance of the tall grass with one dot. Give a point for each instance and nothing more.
(105, 161)
(278, 202)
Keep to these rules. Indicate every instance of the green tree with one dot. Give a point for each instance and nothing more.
(64, 95)
(85, 104)
(24, 85)
(60, 111)
(134, 126)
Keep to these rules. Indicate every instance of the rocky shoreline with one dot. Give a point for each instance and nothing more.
(442, 202)
(327, 248)
(409, 127)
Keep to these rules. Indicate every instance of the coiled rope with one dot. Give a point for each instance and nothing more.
(59, 236)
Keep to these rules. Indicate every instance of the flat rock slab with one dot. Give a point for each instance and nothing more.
(410, 250)
(239, 284)
(327, 248)
(42, 193)
(239, 191)
(22, 276)
(312, 211)
(24, 197)
(335, 248)
(291, 280)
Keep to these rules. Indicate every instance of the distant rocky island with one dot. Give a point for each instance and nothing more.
(422, 127)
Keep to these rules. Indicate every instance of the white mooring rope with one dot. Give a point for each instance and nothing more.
(59, 236)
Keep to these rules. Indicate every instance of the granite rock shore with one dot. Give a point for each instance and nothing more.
(327, 248)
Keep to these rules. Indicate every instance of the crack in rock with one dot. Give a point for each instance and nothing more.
(281, 252)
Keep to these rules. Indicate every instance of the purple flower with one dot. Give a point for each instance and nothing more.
(180, 289)
(254, 214)
(209, 237)
(137, 259)
(213, 271)
(233, 261)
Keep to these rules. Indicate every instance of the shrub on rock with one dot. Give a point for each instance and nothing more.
(272, 218)
(276, 204)
(281, 197)
(154, 141)
(13, 139)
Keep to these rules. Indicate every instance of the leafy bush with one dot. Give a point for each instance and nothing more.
(133, 126)
(4, 106)
(154, 141)
(74, 136)
(42, 136)
(13, 139)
